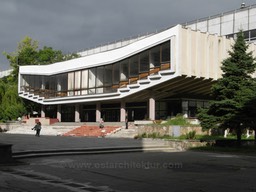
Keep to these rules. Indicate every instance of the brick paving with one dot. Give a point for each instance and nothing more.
(92, 131)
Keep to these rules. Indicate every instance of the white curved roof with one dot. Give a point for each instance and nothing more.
(102, 58)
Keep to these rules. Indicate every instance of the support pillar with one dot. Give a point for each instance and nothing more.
(98, 112)
(42, 111)
(77, 113)
(122, 112)
(152, 108)
(59, 112)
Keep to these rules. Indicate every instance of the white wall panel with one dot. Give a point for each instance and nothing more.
(214, 26)
(241, 21)
(252, 18)
(202, 26)
(227, 24)
(192, 26)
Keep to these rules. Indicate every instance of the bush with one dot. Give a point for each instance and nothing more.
(191, 135)
(178, 120)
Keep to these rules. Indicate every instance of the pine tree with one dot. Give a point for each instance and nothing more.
(231, 92)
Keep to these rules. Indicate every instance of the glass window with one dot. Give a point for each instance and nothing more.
(116, 73)
(92, 80)
(155, 57)
(246, 35)
(77, 82)
(61, 82)
(166, 52)
(124, 70)
(84, 84)
(37, 81)
(134, 66)
(46, 82)
(108, 75)
(100, 76)
(92, 77)
(70, 83)
(25, 78)
(31, 81)
(52, 82)
(99, 90)
(253, 34)
(58, 81)
(144, 62)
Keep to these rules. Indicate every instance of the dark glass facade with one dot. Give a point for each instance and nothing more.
(102, 79)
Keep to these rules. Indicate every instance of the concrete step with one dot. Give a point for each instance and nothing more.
(87, 151)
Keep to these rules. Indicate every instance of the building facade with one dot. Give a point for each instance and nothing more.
(153, 77)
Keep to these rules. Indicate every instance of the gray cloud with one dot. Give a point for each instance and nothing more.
(73, 25)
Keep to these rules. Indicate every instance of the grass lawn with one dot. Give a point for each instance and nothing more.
(243, 150)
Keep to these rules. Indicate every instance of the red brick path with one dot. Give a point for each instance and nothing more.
(91, 131)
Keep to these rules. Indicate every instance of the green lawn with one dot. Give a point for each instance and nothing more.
(244, 150)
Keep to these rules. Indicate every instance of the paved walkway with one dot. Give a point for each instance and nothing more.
(110, 131)
(30, 142)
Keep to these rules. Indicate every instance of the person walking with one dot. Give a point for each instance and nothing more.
(37, 128)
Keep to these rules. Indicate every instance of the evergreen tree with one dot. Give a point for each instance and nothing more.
(231, 92)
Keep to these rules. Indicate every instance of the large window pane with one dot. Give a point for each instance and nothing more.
(134, 66)
(84, 82)
(37, 81)
(46, 82)
(124, 70)
(58, 81)
(166, 52)
(155, 57)
(116, 73)
(64, 82)
(53, 83)
(100, 76)
(99, 79)
(144, 62)
(92, 80)
(77, 82)
(61, 83)
(70, 83)
(108, 75)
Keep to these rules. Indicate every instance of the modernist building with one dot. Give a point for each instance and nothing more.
(151, 77)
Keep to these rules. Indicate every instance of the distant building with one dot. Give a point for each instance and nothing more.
(152, 77)
(230, 23)
(5, 73)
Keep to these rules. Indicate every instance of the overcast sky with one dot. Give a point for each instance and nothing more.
(75, 25)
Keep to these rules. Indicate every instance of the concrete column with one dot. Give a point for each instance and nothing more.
(122, 112)
(152, 108)
(77, 113)
(98, 112)
(42, 111)
(59, 112)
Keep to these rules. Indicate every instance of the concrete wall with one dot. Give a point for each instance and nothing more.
(227, 23)
(168, 130)
(201, 54)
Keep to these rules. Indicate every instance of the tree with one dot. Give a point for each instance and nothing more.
(27, 53)
(231, 92)
(11, 105)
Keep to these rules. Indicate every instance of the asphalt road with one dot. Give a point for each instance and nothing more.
(150, 171)
(147, 171)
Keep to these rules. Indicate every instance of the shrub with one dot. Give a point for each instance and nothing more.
(178, 120)
(191, 135)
